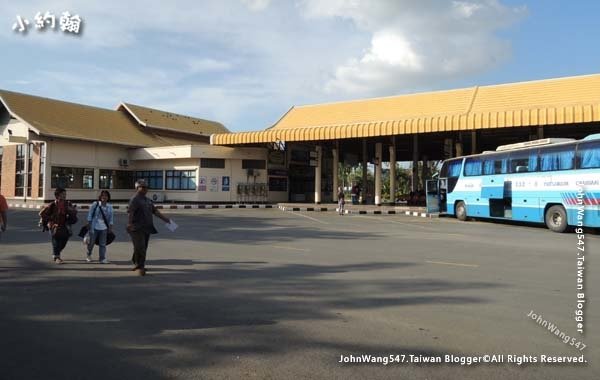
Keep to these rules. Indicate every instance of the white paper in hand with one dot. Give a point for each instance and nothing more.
(171, 226)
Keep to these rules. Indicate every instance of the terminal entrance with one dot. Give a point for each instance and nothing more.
(302, 183)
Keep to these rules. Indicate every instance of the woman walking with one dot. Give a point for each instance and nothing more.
(100, 223)
(341, 201)
(58, 217)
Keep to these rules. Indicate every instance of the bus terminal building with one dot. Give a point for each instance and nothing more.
(45, 143)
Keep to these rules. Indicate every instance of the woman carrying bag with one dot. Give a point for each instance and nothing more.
(100, 223)
(57, 217)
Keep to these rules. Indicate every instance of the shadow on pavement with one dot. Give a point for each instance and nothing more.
(186, 315)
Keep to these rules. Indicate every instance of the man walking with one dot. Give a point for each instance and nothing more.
(140, 225)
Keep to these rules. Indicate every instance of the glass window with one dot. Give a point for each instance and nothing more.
(496, 164)
(451, 168)
(588, 155)
(557, 158)
(181, 179)
(20, 171)
(254, 164)
(212, 163)
(473, 166)
(72, 178)
(154, 178)
(29, 167)
(117, 179)
(524, 161)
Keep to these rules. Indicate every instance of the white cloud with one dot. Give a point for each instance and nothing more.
(256, 5)
(246, 62)
(417, 44)
(202, 65)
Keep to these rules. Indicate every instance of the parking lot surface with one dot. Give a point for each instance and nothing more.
(268, 294)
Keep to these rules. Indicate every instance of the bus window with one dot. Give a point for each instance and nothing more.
(524, 161)
(454, 168)
(588, 155)
(557, 158)
(451, 168)
(473, 166)
(497, 164)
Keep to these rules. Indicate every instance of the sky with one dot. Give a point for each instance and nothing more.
(245, 63)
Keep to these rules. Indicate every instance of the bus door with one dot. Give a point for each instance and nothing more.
(499, 194)
(432, 196)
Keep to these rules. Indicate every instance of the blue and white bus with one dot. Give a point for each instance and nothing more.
(551, 181)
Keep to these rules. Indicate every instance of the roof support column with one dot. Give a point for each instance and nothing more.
(393, 171)
(335, 154)
(318, 175)
(415, 163)
(378, 156)
(473, 142)
(363, 187)
(540, 132)
(424, 173)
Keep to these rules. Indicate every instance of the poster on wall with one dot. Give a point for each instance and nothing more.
(202, 184)
(213, 185)
(225, 183)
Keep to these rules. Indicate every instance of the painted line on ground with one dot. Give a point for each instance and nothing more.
(290, 248)
(308, 217)
(454, 264)
(396, 222)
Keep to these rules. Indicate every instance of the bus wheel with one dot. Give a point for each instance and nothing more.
(556, 219)
(460, 211)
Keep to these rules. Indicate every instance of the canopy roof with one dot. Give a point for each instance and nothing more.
(545, 102)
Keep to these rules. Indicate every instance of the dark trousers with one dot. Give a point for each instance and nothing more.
(58, 245)
(140, 245)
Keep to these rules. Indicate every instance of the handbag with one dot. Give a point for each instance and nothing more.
(110, 236)
(84, 230)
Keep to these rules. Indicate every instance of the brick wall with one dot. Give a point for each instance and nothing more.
(7, 188)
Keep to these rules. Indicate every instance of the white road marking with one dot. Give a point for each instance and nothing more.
(291, 248)
(308, 217)
(396, 222)
(455, 264)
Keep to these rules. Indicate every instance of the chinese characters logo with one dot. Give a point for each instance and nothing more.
(68, 23)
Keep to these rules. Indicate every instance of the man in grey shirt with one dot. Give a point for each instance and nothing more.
(140, 225)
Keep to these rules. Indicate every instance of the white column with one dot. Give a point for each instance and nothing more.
(334, 152)
(540, 133)
(318, 176)
(393, 173)
(473, 142)
(26, 176)
(378, 156)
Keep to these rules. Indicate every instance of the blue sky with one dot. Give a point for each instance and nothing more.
(246, 62)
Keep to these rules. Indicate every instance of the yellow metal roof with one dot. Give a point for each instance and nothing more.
(57, 118)
(153, 118)
(545, 102)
